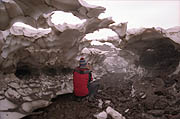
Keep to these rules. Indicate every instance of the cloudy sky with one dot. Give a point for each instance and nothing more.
(138, 13)
(142, 13)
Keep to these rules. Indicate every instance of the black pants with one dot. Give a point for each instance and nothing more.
(93, 88)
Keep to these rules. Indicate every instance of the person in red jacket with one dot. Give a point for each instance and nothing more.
(82, 81)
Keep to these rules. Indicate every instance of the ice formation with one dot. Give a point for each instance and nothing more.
(43, 47)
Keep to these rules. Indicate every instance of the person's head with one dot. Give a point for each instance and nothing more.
(82, 62)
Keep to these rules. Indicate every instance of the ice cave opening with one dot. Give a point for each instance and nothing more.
(156, 53)
(161, 55)
(23, 71)
(27, 71)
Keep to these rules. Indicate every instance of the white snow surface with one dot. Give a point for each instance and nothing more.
(20, 28)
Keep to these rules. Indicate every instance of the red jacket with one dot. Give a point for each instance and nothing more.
(81, 76)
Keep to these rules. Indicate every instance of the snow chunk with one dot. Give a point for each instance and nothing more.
(11, 115)
(6, 104)
(14, 85)
(115, 64)
(127, 110)
(27, 98)
(30, 106)
(100, 103)
(101, 115)
(133, 92)
(66, 88)
(108, 102)
(86, 51)
(25, 92)
(10, 93)
(114, 113)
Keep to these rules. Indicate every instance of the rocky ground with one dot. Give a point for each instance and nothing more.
(140, 98)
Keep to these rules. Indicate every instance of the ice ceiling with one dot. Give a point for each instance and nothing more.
(31, 12)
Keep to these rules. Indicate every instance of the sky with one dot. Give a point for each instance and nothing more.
(138, 13)
(142, 13)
